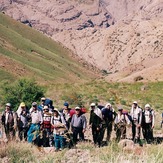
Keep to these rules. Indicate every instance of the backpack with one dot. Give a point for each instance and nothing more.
(125, 112)
(83, 111)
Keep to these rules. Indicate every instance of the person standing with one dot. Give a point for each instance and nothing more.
(162, 120)
(9, 121)
(78, 125)
(121, 121)
(109, 115)
(33, 134)
(41, 106)
(59, 125)
(66, 114)
(136, 117)
(148, 123)
(95, 123)
(46, 127)
(23, 121)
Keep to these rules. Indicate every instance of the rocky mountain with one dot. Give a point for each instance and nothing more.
(122, 38)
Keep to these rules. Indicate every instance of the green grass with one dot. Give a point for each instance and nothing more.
(4, 75)
(39, 54)
(117, 93)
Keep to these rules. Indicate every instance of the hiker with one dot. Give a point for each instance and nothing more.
(136, 117)
(33, 134)
(9, 121)
(109, 115)
(59, 125)
(95, 122)
(46, 128)
(162, 120)
(23, 121)
(66, 114)
(148, 120)
(41, 106)
(121, 121)
(78, 125)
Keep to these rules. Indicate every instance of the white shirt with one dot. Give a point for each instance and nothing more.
(60, 122)
(36, 117)
(121, 118)
(136, 114)
(149, 116)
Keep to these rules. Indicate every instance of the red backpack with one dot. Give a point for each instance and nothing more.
(83, 111)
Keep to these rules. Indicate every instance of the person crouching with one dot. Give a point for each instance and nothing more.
(59, 125)
(78, 125)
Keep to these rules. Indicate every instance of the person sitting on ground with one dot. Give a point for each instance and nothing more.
(121, 120)
(78, 125)
(9, 121)
(59, 125)
(33, 134)
(23, 121)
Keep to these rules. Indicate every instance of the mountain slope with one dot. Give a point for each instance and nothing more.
(25, 52)
(119, 37)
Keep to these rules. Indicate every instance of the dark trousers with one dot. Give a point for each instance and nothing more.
(108, 127)
(78, 131)
(47, 137)
(148, 132)
(23, 133)
(97, 135)
(9, 131)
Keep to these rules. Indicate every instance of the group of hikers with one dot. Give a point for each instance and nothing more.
(46, 126)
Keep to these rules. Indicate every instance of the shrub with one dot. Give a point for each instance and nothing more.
(123, 102)
(23, 90)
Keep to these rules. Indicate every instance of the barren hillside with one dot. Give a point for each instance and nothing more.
(124, 38)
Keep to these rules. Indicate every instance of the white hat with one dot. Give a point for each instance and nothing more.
(108, 104)
(34, 103)
(43, 99)
(147, 106)
(55, 109)
(93, 104)
(77, 108)
(8, 104)
(46, 107)
(135, 102)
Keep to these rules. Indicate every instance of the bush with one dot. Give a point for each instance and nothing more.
(24, 90)
(123, 102)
